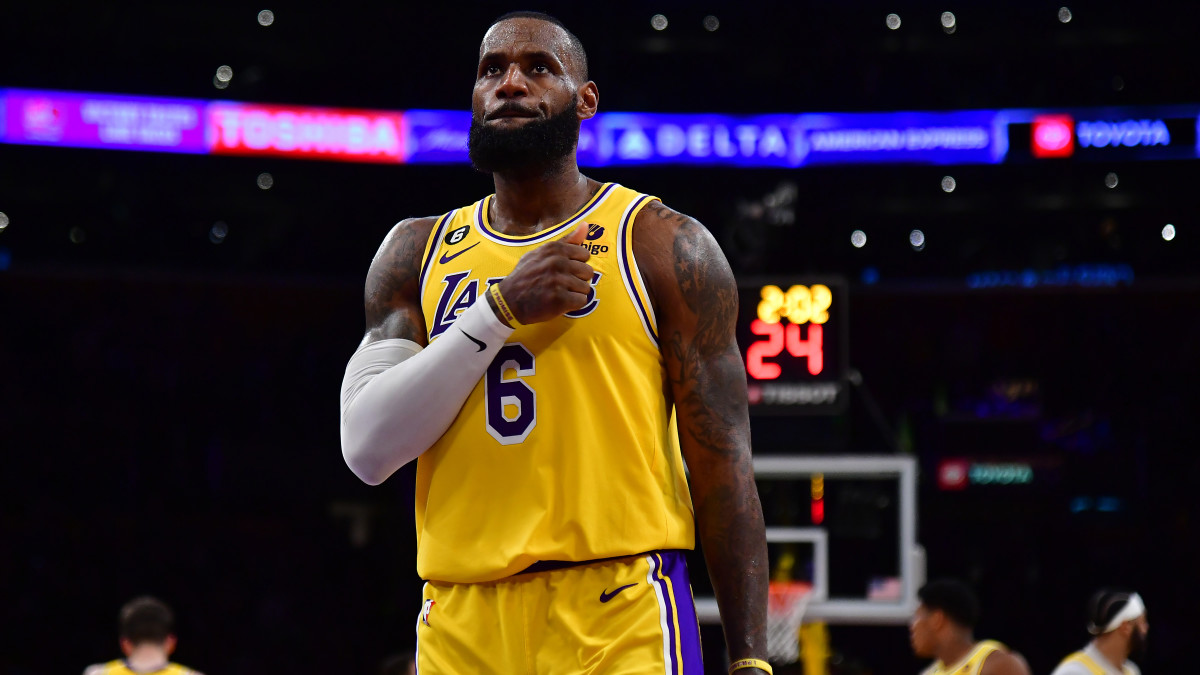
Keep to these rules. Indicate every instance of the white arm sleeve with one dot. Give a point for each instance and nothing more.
(398, 399)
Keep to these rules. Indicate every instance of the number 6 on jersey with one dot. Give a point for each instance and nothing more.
(499, 393)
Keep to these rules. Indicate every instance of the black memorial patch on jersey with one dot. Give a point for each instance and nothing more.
(456, 235)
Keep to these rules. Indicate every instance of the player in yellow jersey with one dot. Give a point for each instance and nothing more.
(943, 627)
(1117, 620)
(553, 354)
(146, 627)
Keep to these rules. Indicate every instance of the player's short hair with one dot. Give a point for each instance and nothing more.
(1105, 604)
(577, 49)
(954, 599)
(146, 619)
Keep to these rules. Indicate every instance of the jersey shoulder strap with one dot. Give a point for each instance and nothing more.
(981, 652)
(1085, 661)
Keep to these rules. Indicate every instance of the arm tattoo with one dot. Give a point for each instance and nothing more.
(394, 282)
(707, 379)
(709, 361)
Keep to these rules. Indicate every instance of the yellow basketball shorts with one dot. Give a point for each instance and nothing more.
(629, 616)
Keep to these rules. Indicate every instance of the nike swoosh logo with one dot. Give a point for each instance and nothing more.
(447, 257)
(481, 343)
(605, 596)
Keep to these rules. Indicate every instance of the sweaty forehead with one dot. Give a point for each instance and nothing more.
(519, 35)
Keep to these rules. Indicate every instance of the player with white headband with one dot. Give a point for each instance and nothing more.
(1117, 619)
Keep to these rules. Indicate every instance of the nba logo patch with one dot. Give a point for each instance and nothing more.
(425, 611)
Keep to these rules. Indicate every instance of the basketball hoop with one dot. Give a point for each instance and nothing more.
(786, 602)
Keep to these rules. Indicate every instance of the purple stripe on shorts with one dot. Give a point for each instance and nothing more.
(660, 580)
(673, 566)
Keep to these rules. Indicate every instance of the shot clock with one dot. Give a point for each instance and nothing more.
(793, 338)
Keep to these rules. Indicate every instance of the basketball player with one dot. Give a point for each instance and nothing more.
(1117, 619)
(943, 627)
(534, 350)
(147, 632)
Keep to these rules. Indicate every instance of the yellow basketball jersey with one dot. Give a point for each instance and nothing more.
(566, 448)
(971, 663)
(1088, 662)
(119, 667)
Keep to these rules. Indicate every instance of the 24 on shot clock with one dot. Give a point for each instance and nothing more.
(792, 333)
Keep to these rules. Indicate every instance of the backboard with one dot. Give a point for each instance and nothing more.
(847, 524)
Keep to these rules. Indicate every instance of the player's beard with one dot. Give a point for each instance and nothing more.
(536, 145)
(1137, 644)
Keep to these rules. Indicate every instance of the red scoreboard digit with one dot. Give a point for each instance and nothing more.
(792, 334)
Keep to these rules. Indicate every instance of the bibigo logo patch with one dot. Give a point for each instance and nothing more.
(596, 248)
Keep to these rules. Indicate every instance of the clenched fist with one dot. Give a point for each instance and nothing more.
(550, 280)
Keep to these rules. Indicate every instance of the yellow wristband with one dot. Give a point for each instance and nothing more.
(751, 663)
(505, 311)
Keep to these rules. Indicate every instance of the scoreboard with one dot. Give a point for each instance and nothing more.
(792, 333)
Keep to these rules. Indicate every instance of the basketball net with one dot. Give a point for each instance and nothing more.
(786, 602)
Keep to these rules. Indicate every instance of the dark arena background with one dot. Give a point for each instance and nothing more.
(1014, 298)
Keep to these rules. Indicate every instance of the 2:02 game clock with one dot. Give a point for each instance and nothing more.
(792, 333)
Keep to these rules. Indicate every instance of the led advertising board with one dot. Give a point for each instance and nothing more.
(305, 132)
(120, 122)
(104, 121)
(1103, 134)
